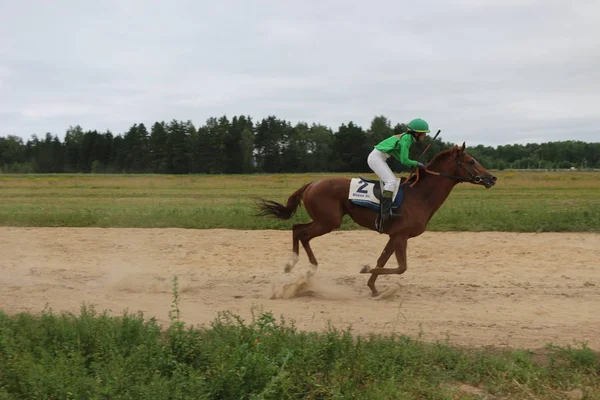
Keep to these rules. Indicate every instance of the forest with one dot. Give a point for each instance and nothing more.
(239, 145)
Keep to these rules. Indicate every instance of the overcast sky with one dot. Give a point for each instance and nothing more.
(484, 71)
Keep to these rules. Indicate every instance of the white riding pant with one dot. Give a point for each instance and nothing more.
(377, 161)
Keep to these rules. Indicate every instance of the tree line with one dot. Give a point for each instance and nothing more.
(239, 145)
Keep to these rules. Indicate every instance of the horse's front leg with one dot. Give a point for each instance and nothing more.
(397, 245)
(387, 252)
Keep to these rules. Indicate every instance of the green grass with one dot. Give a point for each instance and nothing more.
(93, 355)
(522, 201)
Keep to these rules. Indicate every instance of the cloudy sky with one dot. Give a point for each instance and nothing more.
(484, 71)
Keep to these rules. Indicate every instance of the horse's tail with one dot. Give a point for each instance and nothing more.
(269, 207)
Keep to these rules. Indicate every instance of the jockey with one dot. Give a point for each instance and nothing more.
(397, 146)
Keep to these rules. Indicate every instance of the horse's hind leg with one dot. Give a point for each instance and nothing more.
(326, 214)
(296, 229)
(310, 232)
(304, 233)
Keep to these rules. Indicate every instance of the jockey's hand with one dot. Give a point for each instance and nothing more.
(421, 165)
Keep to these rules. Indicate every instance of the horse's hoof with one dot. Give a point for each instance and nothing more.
(291, 263)
(376, 294)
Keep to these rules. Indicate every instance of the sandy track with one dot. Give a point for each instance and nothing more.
(502, 289)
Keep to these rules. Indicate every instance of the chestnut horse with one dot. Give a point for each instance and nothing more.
(327, 201)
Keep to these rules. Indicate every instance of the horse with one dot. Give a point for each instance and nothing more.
(417, 199)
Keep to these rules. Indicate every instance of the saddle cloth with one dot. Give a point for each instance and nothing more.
(367, 193)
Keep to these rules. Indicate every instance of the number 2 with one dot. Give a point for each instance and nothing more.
(361, 188)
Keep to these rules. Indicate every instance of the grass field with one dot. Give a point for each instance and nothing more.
(521, 201)
(98, 356)
(129, 357)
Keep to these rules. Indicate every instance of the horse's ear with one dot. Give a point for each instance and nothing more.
(462, 149)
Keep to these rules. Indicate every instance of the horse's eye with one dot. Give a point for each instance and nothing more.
(472, 162)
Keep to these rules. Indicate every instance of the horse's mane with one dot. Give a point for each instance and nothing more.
(441, 155)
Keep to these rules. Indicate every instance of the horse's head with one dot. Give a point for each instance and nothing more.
(469, 168)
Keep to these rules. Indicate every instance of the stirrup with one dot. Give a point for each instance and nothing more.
(379, 224)
(380, 221)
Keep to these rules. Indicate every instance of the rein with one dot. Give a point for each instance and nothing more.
(472, 177)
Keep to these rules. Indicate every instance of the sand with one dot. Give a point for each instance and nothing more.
(501, 289)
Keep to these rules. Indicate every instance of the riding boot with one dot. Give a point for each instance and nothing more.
(392, 213)
(386, 209)
(386, 204)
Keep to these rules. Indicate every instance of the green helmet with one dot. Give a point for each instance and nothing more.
(418, 125)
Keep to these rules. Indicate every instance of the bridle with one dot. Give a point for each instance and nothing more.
(473, 178)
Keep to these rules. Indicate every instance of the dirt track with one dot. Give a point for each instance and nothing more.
(475, 288)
